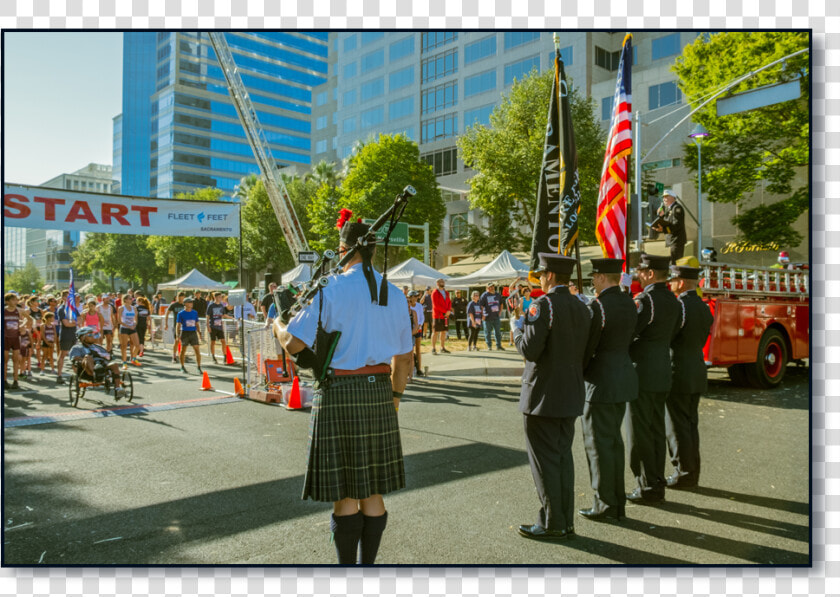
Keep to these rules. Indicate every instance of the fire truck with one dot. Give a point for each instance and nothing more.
(762, 320)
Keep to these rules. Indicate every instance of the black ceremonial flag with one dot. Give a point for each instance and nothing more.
(558, 196)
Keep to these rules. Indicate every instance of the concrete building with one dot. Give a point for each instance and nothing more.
(431, 85)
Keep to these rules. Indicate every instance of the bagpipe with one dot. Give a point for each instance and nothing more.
(291, 300)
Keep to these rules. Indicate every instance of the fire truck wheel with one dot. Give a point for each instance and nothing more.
(771, 364)
(738, 374)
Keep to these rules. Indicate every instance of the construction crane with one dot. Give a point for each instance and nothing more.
(277, 193)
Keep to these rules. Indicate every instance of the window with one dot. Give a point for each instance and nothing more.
(372, 117)
(519, 70)
(517, 38)
(440, 65)
(350, 42)
(349, 98)
(401, 49)
(442, 162)
(483, 48)
(480, 83)
(478, 115)
(321, 146)
(401, 78)
(606, 107)
(320, 123)
(400, 108)
(373, 89)
(665, 46)
(440, 97)
(607, 60)
(350, 70)
(349, 125)
(663, 95)
(435, 39)
(321, 98)
(373, 60)
(457, 226)
(371, 36)
(441, 127)
(567, 54)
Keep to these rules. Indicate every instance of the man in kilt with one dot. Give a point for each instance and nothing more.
(354, 452)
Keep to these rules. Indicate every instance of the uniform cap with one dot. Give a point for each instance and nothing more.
(607, 266)
(351, 231)
(669, 193)
(685, 272)
(655, 262)
(559, 264)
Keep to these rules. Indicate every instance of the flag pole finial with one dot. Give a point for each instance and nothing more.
(556, 41)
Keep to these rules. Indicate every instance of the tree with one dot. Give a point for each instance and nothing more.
(376, 174)
(507, 156)
(125, 255)
(769, 144)
(24, 280)
(212, 254)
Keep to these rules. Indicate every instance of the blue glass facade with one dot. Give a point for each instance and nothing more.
(193, 136)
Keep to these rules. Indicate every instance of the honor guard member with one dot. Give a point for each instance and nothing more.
(611, 382)
(674, 216)
(552, 337)
(354, 451)
(658, 320)
(690, 379)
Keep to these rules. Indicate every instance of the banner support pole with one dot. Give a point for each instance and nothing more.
(242, 312)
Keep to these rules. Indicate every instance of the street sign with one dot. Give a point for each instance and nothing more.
(308, 257)
(399, 237)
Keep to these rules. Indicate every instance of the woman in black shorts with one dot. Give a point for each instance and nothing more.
(144, 321)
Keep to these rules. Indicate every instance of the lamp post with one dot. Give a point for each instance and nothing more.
(698, 134)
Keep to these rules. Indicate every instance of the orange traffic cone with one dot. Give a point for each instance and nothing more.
(238, 390)
(205, 382)
(229, 357)
(294, 396)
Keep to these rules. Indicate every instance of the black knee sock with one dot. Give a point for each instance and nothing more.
(371, 536)
(346, 530)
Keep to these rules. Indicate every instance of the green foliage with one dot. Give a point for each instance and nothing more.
(376, 173)
(769, 145)
(212, 256)
(507, 157)
(24, 280)
(127, 256)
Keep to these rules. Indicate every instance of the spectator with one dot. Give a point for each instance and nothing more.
(426, 301)
(157, 303)
(250, 312)
(459, 312)
(514, 305)
(441, 310)
(491, 306)
(268, 299)
(176, 307)
(474, 317)
(417, 331)
(199, 304)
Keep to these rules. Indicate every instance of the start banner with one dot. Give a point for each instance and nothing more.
(55, 209)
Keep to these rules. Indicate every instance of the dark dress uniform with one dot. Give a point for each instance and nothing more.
(659, 317)
(611, 382)
(675, 239)
(690, 380)
(553, 341)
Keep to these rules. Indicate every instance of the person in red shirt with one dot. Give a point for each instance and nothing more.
(441, 309)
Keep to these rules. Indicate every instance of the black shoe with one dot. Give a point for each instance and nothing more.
(541, 533)
(434, 351)
(677, 481)
(646, 497)
(500, 348)
(15, 385)
(183, 369)
(59, 380)
(444, 350)
(611, 512)
(214, 360)
(199, 370)
(174, 359)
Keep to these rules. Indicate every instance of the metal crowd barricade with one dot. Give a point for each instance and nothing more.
(744, 279)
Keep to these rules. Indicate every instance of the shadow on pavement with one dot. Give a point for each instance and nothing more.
(620, 554)
(755, 500)
(149, 531)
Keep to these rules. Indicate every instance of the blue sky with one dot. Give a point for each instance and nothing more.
(61, 91)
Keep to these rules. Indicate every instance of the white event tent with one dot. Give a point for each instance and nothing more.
(414, 272)
(296, 275)
(505, 267)
(194, 280)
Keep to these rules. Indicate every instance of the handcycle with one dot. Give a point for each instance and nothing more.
(81, 380)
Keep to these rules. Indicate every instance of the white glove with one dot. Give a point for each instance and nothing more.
(626, 279)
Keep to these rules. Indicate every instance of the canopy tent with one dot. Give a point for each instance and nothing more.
(414, 272)
(504, 267)
(194, 280)
(296, 275)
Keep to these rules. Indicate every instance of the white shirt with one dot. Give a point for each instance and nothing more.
(370, 333)
(104, 309)
(250, 312)
(418, 309)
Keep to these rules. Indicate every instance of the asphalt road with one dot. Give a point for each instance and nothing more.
(186, 477)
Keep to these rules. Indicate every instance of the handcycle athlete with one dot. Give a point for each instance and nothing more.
(94, 360)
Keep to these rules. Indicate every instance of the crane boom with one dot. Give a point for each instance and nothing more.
(277, 193)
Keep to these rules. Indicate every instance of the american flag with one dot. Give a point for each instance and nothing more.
(70, 306)
(611, 224)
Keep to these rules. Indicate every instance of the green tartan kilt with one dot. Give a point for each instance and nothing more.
(354, 440)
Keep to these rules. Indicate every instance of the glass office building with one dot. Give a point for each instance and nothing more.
(179, 131)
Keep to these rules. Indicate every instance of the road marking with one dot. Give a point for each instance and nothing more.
(118, 411)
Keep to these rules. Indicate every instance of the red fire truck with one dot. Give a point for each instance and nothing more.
(761, 320)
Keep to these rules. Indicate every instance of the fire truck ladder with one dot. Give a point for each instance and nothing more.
(277, 193)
